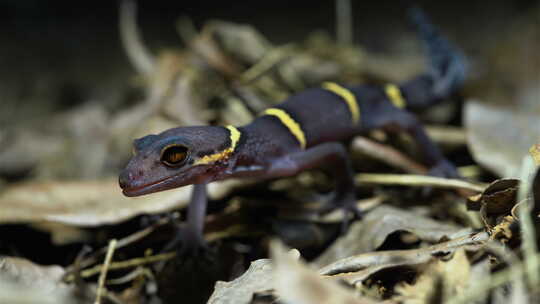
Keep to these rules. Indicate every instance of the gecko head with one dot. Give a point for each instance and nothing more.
(178, 157)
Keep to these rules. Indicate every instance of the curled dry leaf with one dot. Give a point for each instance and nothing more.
(41, 284)
(90, 203)
(498, 197)
(495, 204)
(369, 233)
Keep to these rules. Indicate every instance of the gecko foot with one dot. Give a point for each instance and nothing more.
(187, 243)
(347, 203)
(444, 168)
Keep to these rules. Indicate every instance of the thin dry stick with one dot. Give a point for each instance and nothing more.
(344, 21)
(104, 269)
(528, 234)
(129, 263)
(130, 239)
(447, 135)
(271, 59)
(138, 54)
(417, 180)
(186, 29)
(387, 155)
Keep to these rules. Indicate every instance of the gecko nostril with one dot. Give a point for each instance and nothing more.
(123, 179)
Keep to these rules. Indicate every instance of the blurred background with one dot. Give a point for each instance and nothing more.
(55, 56)
(72, 100)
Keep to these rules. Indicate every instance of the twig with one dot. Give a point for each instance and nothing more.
(132, 238)
(129, 263)
(447, 135)
(387, 155)
(138, 54)
(271, 59)
(186, 29)
(344, 29)
(132, 275)
(470, 171)
(355, 267)
(104, 270)
(528, 234)
(417, 180)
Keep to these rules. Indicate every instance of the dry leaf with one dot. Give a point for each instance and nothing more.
(369, 233)
(90, 203)
(357, 268)
(498, 197)
(439, 281)
(240, 291)
(499, 136)
(296, 283)
(22, 281)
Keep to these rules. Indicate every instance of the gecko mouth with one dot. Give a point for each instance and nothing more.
(159, 185)
(181, 179)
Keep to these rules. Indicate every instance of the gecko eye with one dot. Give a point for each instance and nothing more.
(174, 155)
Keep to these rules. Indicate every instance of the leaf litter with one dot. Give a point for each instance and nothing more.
(406, 249)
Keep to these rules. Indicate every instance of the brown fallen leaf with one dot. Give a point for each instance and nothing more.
(369, 233)
(359, 267)
(90, 203)
(498, 197)
(257, 278)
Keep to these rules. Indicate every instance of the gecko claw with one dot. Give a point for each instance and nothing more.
(348, 204)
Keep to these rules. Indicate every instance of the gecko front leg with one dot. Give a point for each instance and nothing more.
(191, 235)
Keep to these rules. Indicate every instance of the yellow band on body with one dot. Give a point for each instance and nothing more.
(289, 122)
(348, 96)
(234, 138)
(394, 94)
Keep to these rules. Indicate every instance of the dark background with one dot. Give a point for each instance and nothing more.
(64, 53)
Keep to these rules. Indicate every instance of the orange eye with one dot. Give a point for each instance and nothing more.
(174, 155)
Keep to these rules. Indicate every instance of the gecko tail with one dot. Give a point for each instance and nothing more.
(447, 65)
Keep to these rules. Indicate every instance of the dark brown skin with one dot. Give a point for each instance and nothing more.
(269, 147)
(145, 173)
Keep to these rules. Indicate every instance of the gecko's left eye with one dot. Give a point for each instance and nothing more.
(174, 155)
